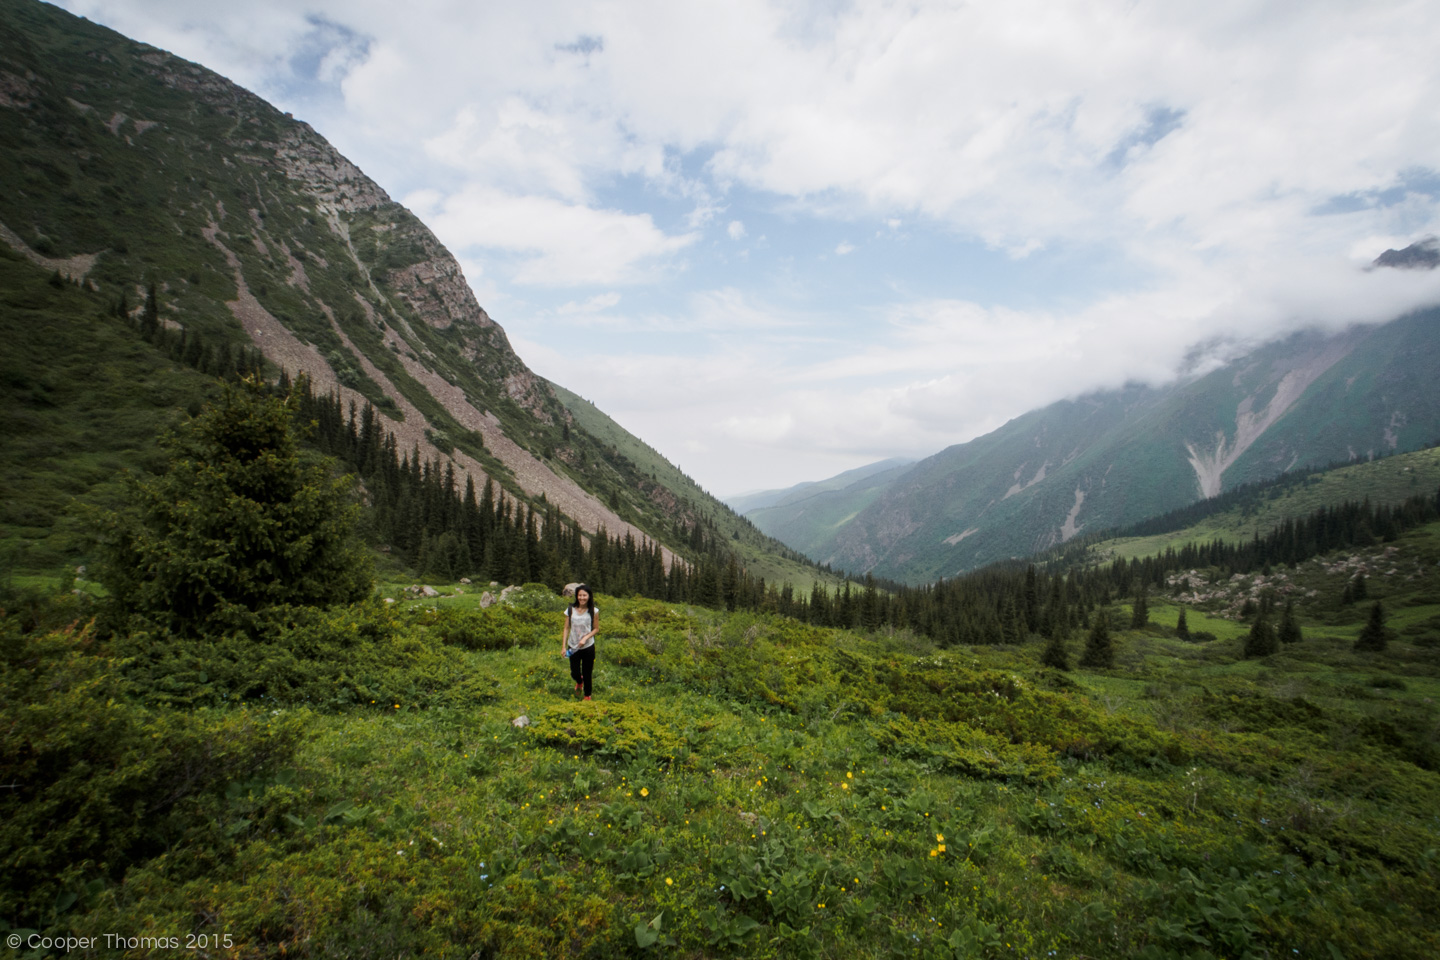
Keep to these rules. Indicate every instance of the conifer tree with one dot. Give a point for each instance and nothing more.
(1262, 641)
(1011, 623)
(1373, 637)
(1182, 629)
(238, 523)
(150, 317)
(1055, 655)
(1030, 600)
(1289, 631)
(1099, 652)
(1140, 612)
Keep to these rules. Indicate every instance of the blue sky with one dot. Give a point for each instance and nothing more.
(781, 240)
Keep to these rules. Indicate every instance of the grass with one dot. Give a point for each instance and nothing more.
(744, 785)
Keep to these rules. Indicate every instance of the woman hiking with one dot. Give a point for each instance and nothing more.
(582, 622)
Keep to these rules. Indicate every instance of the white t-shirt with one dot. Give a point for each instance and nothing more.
(580, 624)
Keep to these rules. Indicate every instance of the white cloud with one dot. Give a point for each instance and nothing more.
(597, 303)
(560, 144)
(561, 244)
(843, 248)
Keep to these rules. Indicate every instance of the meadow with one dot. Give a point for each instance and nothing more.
(363, 785)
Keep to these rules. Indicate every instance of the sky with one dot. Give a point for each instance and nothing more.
(777, 241)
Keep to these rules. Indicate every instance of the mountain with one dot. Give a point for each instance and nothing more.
(748, 503)
(1421, 255)
(127, 167)
(1115, 457)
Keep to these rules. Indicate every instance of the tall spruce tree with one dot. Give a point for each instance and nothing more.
(1055, 655)
(1289, 631)
(1140, 612)
(1373, 636)
(238, 523)
(1261, 641)
(1182, 629)
(1099, 651)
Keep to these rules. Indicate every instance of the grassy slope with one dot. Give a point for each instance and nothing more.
(1389, 481)
(765, 789)
(84, 398)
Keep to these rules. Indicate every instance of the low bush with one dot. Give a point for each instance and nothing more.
(327, 659)
(96, 783)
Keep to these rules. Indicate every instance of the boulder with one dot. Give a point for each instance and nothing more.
(520, 721)
(429, 591)
(487, 599)
(570, 589)
(465, 580)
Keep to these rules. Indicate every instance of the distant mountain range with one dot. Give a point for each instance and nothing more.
(1116, 457)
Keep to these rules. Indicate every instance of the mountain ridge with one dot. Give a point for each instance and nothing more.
(1110, 458)
(132, 167)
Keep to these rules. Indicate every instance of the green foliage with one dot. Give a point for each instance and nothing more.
(366, 655)
(1055, 654)
(1374, 637)
(1262, 640)
(237, 524)
(1099, 649)
(1289, 630)
(97, 784)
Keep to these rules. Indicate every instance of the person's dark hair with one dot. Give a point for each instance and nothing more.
(589, 597)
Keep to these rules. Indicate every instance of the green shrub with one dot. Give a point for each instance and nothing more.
(363, 655)
(99, 784)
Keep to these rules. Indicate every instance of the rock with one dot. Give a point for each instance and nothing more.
(429, 591)
(520, 721)
(504, 594)
(389, 599)
(570, 589)
(487, 599)
(465, 580)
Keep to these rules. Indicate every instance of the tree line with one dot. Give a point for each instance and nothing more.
(438, 527)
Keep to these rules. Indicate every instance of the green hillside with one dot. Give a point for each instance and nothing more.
(1387, 481)
(84, 397)
(1114, 458)
(396, 775)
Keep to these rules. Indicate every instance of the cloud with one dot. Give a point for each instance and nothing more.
(597, 303)
(1244, 160)
(558, 243)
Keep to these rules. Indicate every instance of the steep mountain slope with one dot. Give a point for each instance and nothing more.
(748, 503)
(126, 166)
(808, 516)
(1114, 458)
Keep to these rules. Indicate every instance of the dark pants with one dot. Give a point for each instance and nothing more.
(582, 665)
